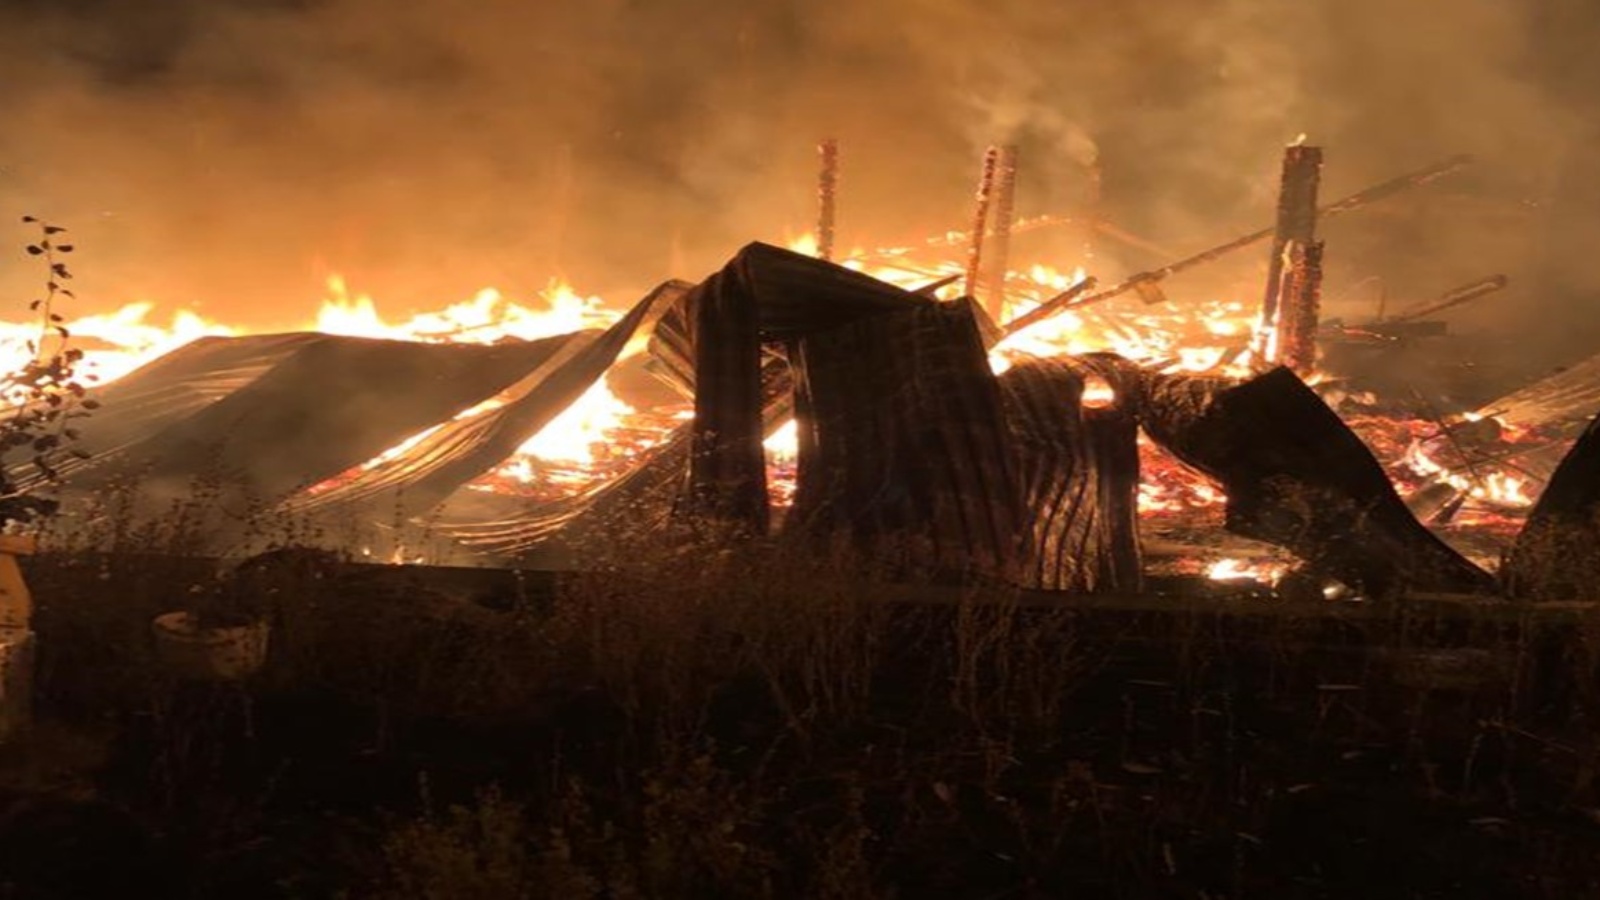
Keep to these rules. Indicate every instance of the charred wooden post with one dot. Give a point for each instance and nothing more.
(827, 196)
(1297, 476)
(1355, 201)
(1300, 308)
(1005, 213)
(1093, 211)
(980, 219)
(1296, 230)
(1078, 471)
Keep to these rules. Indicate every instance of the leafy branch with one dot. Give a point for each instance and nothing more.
(43, 395)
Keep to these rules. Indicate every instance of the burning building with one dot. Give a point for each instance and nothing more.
(1036, 435)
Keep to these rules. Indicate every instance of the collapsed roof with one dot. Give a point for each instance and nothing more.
(910, 446)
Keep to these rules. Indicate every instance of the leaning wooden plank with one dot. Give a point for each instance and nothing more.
(1450, 300)
(1296, 476)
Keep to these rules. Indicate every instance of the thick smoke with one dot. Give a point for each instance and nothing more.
(229, 155)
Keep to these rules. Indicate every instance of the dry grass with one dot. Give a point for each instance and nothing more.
(689, 721)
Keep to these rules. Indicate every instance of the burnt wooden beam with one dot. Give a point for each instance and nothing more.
(1094, 215)
(1354, 201)
(1451, 299)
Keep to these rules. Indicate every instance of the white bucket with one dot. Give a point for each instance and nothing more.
(209, 654)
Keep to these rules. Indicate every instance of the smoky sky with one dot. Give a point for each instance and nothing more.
(227, 156)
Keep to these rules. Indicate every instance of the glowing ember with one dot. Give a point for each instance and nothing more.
(1098, 393)
(1267, 573)
(783, 457)
(1494, 486)
(783, 445)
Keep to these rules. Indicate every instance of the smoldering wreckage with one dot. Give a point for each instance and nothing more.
(914, 447)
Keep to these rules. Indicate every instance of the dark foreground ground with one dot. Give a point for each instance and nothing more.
(767, 728)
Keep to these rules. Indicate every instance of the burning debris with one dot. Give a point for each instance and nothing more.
(1033, 440)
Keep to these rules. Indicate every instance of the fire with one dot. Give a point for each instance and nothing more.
(576, 439)
(401, 447)
(116, 343)
(486, 318)
(1495, 486)
(783, 445)
(783, 457)
(806, 243)
(580, 432)
(1233, 570)
(597, 435)
(1098, 393)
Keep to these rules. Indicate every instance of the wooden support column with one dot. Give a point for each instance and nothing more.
(980, 219)
(1300, 308)
(1296, 228)
(827, 196)
(1005, 214)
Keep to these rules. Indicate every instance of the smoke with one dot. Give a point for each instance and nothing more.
(228, 156)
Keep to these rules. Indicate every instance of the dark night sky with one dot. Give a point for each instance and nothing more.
(228, 155)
